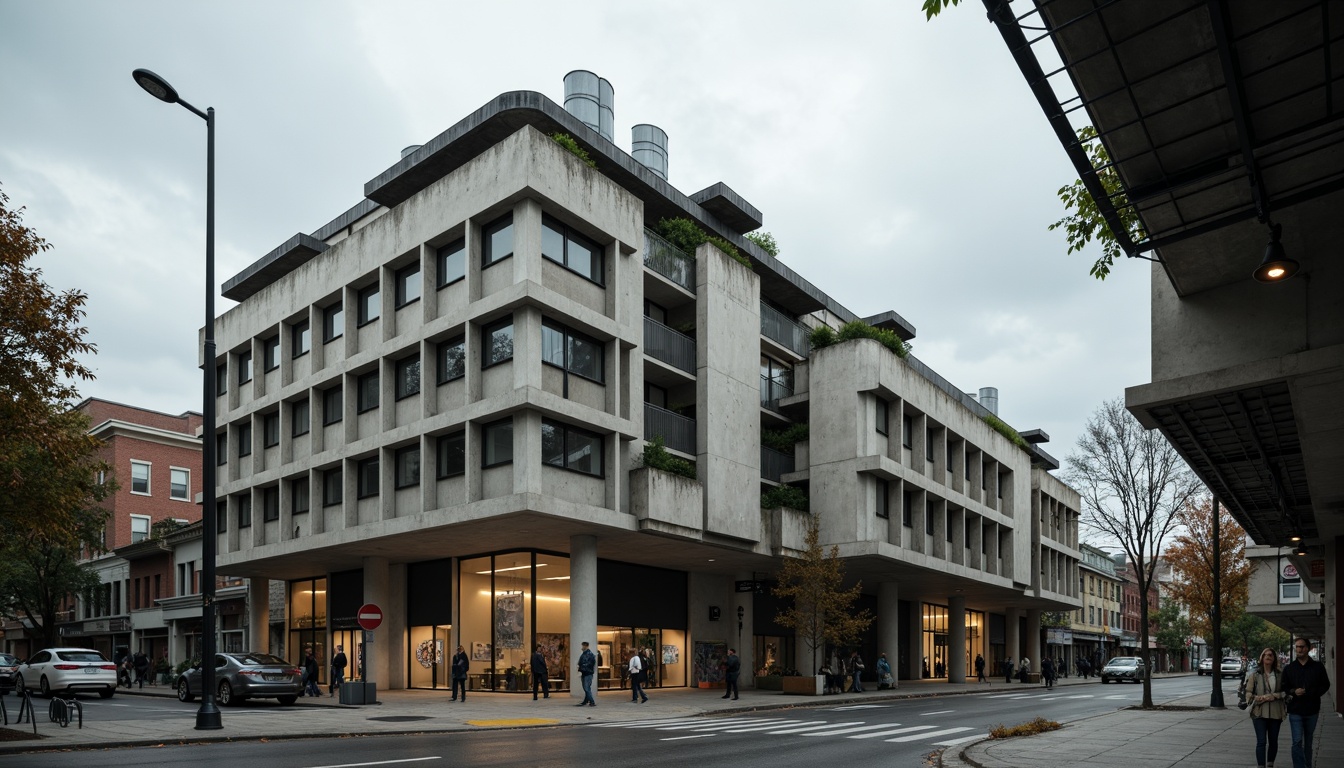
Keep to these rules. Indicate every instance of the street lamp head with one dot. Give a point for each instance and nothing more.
(155, 86)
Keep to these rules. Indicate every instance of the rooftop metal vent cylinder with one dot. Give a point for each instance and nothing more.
(407, 152)
(591, 99)
(648, 145)
(989, 397)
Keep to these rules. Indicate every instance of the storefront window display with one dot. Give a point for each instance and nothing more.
(935, 640)
(308, 623)
(615, 644)
(511, 603)
(774, 655)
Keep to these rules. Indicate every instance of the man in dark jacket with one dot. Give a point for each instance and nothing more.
(587, 667)
(338, 664)
(731, 669)
(141, 663)
(461, 664)
(1305, 680)
(540, 677)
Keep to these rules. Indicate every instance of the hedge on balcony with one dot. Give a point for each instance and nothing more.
(997, 425)
(825, 336)
(784, 496)
(568, 142)
(685, 235)
(657, 457)
(783, 440)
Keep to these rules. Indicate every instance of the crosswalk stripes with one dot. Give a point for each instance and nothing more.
(700, 727)
(894, 731)
(719, 725)
(962, 740)
(854, 729)
(754, 728)
(789, 731)
(922, 736)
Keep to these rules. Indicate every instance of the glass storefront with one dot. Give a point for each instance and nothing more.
(935, 644)
(774, 655)
(616, 644)
(308, 623)
(511, 603)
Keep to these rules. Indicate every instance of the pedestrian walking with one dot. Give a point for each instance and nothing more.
(1264, 690)
(1008, 670)
(732, 667)
(310, 673)
(460, 666)
(855, 669)
(1048, 672)
(884, 677)
(338, 664)
(587, 666)
(650, 669)
(980, 669)
(1024, 670)
(141, 664)
(540, 676)
(1305, 681)
(636, 669)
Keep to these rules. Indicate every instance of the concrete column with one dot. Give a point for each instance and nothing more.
(582, 604)
(889, 624)
(956, 639)
(743, 641)
(259, 613)
(376, 591)
(1034, 638)
(914, 639)
(394, 628)
(1011, 642)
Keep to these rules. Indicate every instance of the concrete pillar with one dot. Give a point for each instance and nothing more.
(956, 639)
(1011, 642)
(914, 638)
(394, 629)
(889, 624)
(1034, 638)
(376, 591)
(259, 613)
(582, 604)
(744, 640)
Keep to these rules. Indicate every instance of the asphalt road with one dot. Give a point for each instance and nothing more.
(900, 732)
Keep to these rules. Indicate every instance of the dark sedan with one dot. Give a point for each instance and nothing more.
(240, 676)
(9, 667)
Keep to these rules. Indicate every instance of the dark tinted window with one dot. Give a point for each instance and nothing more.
(497, 239)
(452, 262)
(498, 341)
(452, 359)
(452, 455)
(370, 304)
(408, 285)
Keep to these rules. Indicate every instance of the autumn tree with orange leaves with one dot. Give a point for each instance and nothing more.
(1191, 558)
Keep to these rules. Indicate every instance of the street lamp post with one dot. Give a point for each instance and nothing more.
(207, 717)
(1216, 615)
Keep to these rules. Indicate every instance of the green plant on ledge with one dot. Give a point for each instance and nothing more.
(568, 142)
(686, 236)
(766, 240)
(783, 440)
(997, 425)
(656, 457)
(784, 496)
(825, 336)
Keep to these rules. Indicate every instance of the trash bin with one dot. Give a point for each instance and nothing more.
(359, 693)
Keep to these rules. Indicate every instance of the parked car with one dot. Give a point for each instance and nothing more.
(1206, 666)
(9, 667)
(1232, 667)
(73, 670)
(1124, 668)
(240, 676)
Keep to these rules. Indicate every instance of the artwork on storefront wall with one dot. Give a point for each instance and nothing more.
(429, 653)
(480, 651)
(509, 620)
(555, 648)
(671, 654)
(709, 661)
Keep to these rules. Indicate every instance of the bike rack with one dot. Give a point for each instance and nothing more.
(59, 711)
(25, 706)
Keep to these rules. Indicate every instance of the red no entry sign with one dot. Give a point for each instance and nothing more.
(370, 616)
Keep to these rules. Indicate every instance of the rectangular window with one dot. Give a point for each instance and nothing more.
(244, 367)
(367, 477)
(366, 392)
(222, 376)
(452, 359)
(370, 304)
(907, 508)
(222, 448)
(244, 512)
(300, 419)
(298, 496)
(907, 431)
(139, 528)
(498, 439)
(881, 416)
(270, 429)
(244, 440)
(270, 503)
(408, 285)
(301, 338)
(497, 339)
(179, 483)
(452, 455)
(497, 239)
(928, 518)
(333, 322)
(222, 516)
(928, 444)
(408, 466)
(270, 353)
(950, 524)
(571, 351)
(333, 488)
(568, 248)
(140, 478)
(333, 405)
(452, 262)
(881, 501)
(571, 448)
(408, 376)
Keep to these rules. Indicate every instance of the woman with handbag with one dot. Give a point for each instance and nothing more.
(1264, 693)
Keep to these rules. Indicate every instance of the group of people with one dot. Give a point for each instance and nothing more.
(1293, 693)
(849, 676)
(311, 676)
(134, 670)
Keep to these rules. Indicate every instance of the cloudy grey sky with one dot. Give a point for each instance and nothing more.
(901, 164)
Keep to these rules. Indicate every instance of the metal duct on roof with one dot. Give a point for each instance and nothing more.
(648, 145)
(989, 397)
(591, 99)
(407, 152)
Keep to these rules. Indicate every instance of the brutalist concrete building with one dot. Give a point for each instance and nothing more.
(438, 403)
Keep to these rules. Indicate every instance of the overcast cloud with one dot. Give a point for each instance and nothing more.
(901, 165)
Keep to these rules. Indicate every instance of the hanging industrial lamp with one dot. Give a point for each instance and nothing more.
(1275, 267)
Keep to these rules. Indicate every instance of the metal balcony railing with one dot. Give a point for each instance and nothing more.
(672, 347)
(771, 392)
(777, 326)
(678, 431)
(669, 261)
(774, 464)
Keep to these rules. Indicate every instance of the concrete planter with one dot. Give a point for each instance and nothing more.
(803, 686)
(769, 683)
(667, 503)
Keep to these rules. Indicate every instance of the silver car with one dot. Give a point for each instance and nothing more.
(1124, 668)
(240, 676)
(73, 670)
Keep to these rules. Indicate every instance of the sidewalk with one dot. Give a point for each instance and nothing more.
(1135, 738)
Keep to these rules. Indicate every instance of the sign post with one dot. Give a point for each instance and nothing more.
(369, 617)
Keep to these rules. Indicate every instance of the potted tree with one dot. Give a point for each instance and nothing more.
(820, 610)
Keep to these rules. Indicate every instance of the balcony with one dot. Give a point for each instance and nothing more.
(775, 464)
(777, 327)
(672, 347)
(678, 431)
(772, 390)
(669, 261)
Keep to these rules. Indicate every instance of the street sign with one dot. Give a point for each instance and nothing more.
(370, 616)
(748, 586)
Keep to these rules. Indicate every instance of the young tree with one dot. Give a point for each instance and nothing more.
(1191, 558)
(1173, 627)
(1133, 484)
(821, 610)
(1251, 634)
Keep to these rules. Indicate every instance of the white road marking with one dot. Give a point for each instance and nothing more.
(893, 732)
(769, 727)
(939, 712)
(693, 724)
(860, 706)
(854, 729)
(922, 736)
(810, 728)
(679, 738)
(721, 726)
(381, 762)
(963, 740)
(1084, 696)
(648, 723)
